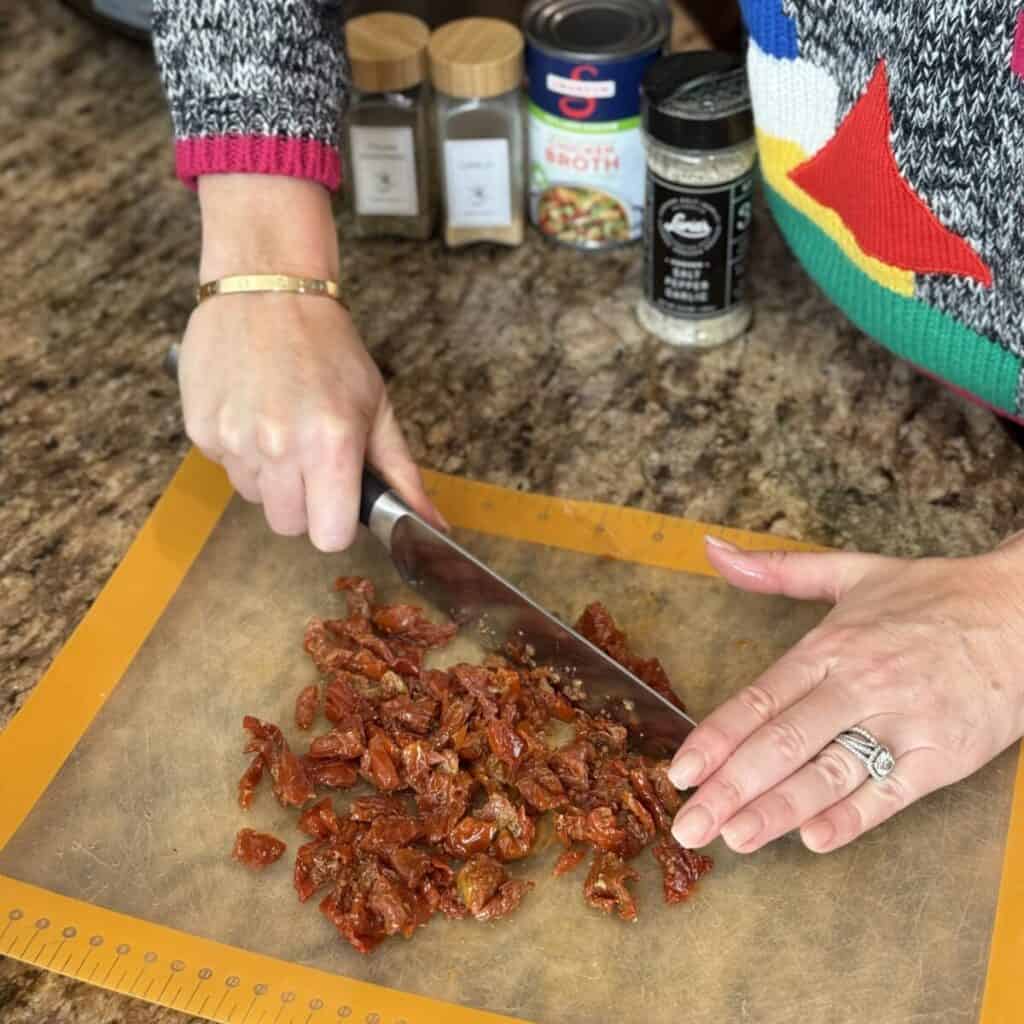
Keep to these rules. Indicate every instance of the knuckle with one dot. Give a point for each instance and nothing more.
(725, 792)
(714, 742)
(759, 702)
(836, 772)
(789, 740)
(272, 438)
(892, 791)
(333, 437)
(849, 821)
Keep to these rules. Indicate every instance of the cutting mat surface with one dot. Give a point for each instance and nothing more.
(140, 819)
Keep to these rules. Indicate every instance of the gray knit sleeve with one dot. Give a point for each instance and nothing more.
(254, 86)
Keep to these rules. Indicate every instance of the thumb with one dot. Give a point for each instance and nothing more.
(826, 576)
(387, 451)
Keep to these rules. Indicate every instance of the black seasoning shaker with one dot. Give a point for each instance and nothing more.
(701, 154)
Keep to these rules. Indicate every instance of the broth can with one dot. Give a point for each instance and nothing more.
(585, 60)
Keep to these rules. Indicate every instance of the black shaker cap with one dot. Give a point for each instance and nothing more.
(697, 100)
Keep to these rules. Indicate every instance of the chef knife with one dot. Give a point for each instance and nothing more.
(496, 612)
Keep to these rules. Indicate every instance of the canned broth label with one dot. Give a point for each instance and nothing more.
(695, 245)
(586, 149)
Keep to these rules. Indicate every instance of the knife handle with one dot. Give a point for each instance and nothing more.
(373, 490)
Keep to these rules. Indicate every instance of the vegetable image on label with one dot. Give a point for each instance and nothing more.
(582, 215)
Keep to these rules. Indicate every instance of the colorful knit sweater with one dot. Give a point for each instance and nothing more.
(891, 136)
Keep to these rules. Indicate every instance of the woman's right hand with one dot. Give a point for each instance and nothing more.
(279, 388)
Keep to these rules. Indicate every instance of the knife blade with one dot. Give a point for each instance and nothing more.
(478, 599)
(496, 612)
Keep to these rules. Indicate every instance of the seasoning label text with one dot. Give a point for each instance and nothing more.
(696, 245)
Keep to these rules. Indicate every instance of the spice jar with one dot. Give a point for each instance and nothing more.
(388, 127)
(476, 65)
(701, 153)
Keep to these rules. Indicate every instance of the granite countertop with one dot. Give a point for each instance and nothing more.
(524, 368)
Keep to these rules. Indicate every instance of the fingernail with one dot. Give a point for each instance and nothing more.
(741, 829)
(722, 545)
(692, 827)
(818, 835)
(686, 769)
(445, 525)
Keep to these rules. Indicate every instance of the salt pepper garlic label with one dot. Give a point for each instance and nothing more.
(695, 257)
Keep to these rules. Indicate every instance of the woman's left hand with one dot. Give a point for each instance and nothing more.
(927, 655)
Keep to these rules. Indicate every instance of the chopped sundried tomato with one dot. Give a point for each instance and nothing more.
(470, 836)
(480, 878)
(504, 901)
(387, 833)
(291, 784)
(415, 715)
(320, 821)
(378, 763)
(601, 829)
(369, 808)
(249, 781)
(256, 849)
(346, 740)
(474, 748)
(333, 774)
(541, 788)
(598, 626)
(569, 861)
(506, 744)
(681, 868)
(306, 706)
(318, 863)
(361, 594)
(606, 887)
(409, 623)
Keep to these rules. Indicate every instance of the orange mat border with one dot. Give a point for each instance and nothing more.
(42, 735)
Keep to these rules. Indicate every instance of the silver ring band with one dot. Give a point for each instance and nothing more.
(875, 756)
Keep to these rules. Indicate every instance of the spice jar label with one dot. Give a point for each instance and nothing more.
(695, 254)
(478, 183)
(384, 169)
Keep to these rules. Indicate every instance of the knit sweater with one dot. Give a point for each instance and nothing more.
(891, 135)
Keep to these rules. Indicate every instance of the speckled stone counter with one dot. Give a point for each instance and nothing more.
(524, 368)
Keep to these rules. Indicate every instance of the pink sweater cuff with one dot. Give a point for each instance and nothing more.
(257, 154)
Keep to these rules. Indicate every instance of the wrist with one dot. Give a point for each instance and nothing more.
(263, 224)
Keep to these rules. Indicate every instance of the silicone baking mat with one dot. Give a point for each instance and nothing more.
(118, 811)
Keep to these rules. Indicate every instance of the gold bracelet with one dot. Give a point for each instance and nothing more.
(241, 283)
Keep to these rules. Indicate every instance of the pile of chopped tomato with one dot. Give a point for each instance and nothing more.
(463, 765)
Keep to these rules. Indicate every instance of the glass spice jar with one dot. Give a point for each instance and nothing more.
(701, 154)
(388, 127)
(476, 66)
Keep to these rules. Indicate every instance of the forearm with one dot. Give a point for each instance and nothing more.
(254, 86)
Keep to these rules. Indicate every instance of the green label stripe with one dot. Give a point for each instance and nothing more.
(562, 124)
(912, 329)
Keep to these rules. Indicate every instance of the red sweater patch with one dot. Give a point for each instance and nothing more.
(855, 174)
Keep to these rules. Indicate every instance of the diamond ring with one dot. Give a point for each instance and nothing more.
(876, 757)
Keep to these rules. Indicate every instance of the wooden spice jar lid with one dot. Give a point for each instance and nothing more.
(387, 52)
(475, 58)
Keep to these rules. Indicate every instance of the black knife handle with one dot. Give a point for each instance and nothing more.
(373, 490)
